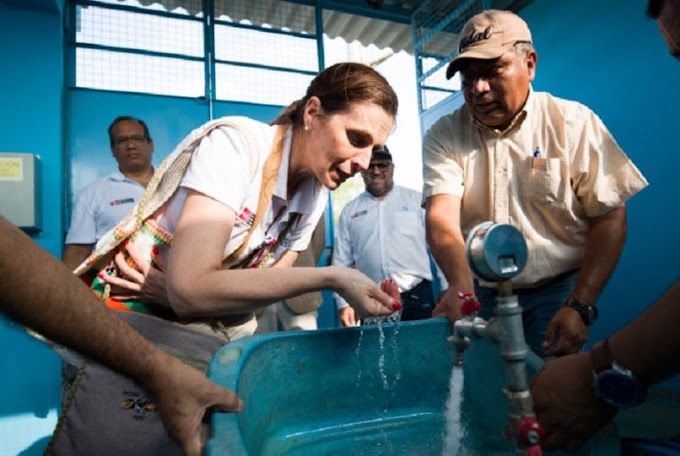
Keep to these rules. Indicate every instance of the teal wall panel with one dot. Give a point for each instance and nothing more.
(31, 81)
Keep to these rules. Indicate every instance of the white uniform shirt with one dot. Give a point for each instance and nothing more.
(221, 169)
(384, 238)
(100, 206)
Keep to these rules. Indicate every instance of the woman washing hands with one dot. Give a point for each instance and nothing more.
(228, 211)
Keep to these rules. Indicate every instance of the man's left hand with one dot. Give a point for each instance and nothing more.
(566, 333)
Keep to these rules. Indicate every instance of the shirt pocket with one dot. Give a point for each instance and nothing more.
(546, 181)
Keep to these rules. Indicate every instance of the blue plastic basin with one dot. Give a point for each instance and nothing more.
(362, 391)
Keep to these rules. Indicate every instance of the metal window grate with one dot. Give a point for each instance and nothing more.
(263, 47)
(258, 85)
(117, 71)
(436, 26)
(280, 15)
(141, 31)
(145, 47)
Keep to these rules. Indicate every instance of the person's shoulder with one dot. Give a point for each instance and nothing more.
(97, 189)
(250, 124)
(447, 122)
(242, 125)
(246, 134)
(359, 198)
(103, 182)
(569, 109)
(354, 202)
(409, 192)
(414, 197)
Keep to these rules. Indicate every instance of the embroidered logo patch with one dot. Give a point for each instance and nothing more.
(140, 405)
(247, 216)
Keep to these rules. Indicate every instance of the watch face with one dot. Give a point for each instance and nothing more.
(619, 389)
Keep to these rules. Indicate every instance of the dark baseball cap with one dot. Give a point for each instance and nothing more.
(383, 152)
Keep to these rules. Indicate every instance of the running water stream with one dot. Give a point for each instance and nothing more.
(454, 428)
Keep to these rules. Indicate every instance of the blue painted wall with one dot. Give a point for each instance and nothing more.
(611, 57)
(31, 80)
(169, 120)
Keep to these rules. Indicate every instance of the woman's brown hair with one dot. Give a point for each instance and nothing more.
(338, 87)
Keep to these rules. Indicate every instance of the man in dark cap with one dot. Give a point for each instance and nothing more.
(382, 233)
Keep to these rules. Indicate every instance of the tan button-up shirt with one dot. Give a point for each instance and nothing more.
(554, 167)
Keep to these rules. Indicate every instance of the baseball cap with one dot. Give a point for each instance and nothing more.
(383, 152)
(488, 35)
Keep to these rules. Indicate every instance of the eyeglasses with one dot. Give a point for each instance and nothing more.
(380, 166)
(134, 139)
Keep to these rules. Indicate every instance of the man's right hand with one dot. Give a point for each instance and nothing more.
(449, 305)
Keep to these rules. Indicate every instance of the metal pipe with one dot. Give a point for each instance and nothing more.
(514, 353)
(497, 253)
(512, 344)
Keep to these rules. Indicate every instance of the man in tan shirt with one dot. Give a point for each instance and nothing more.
(546, 165)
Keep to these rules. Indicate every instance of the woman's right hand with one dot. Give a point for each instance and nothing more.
(366, 297)
(144, 282)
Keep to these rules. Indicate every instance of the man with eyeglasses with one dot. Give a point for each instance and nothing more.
(382, 233)
(546, 165)
(106, 201)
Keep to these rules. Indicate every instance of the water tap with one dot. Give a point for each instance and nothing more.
(470, 325)
(496, 253)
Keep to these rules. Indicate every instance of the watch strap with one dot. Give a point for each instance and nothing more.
(587, 312)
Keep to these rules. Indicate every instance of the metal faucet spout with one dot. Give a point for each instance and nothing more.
(463, 330)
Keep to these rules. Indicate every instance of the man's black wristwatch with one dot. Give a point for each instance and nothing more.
(588, 313)
(615, 385)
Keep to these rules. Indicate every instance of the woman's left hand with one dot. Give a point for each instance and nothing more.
(144, 281)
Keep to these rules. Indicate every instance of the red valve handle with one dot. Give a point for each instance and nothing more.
(529, 435)
(470, 305)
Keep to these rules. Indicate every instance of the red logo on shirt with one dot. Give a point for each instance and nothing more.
(121, 201)
(247, 216)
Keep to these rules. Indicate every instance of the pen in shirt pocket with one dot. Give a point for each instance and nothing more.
(537, 162)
